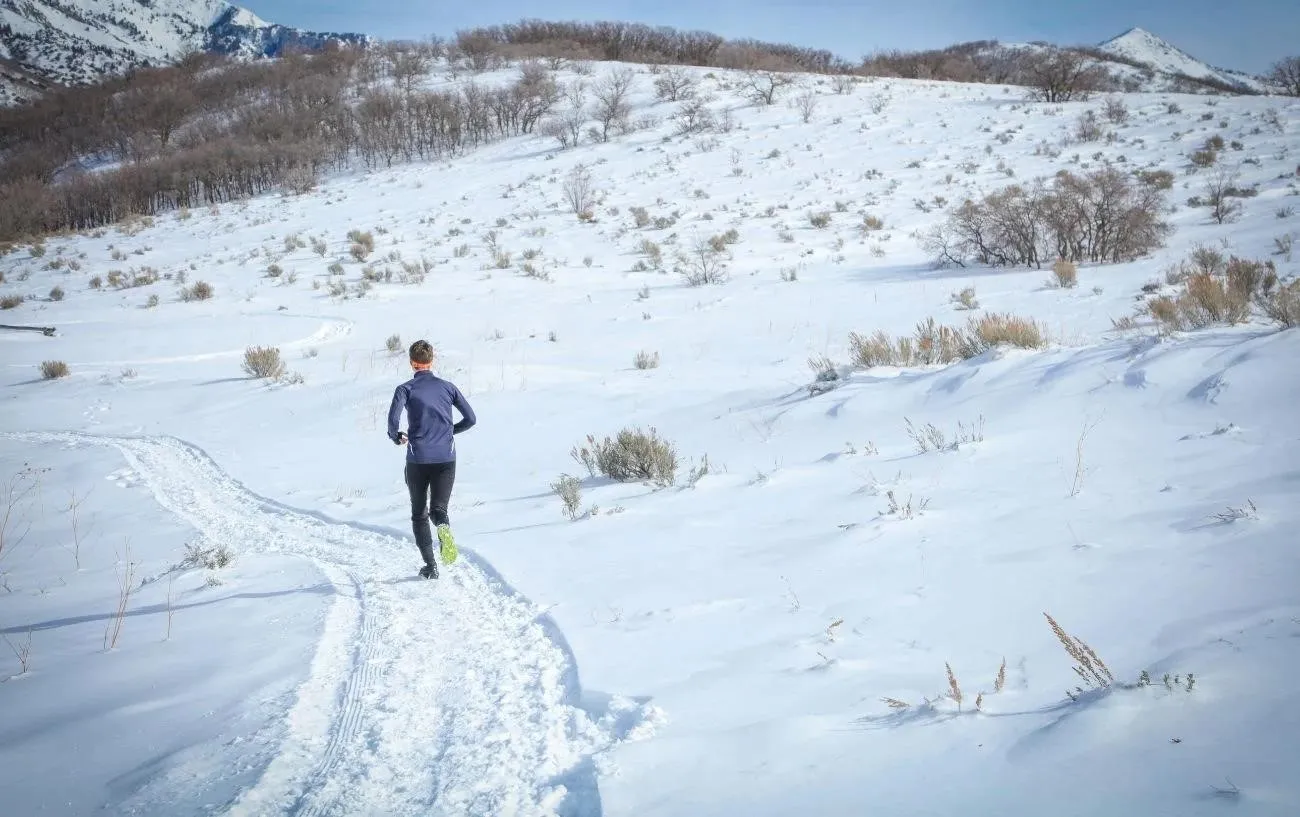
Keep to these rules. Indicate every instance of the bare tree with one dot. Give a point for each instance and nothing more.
(612, 108)
(477, 47)
(762, 86)
(1220, 193)
(1063, 75)
(694, 116)
(1286, 73)
(674, 85)
(408, 65)
(573, 116)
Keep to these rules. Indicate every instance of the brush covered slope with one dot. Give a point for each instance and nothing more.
(837, 605)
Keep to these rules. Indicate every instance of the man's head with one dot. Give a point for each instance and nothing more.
(421, 354)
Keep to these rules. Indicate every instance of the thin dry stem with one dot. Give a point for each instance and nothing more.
(954, 689)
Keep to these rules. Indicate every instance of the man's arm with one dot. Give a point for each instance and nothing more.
(467, 414)
(395, 413)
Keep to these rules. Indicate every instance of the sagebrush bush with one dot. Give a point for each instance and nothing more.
(56, 294)
(632, 456)
(198, 291)
(54, 369)
(569, 490)
(365, 239)
(263, 361)
(212, 557)
(646, 360)
(1283, 305)
(965, 299)
(1222, 292)
(1065, 273)
(1156, 179)
(11, 301)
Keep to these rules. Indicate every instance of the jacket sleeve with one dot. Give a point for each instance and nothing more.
(467, 414)
(395, 411)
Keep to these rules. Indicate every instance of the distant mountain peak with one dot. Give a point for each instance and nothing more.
(79, 41)
(1139, 45)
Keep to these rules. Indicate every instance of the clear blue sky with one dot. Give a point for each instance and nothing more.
(1248, 35)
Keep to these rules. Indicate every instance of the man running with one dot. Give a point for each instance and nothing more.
(430, 450)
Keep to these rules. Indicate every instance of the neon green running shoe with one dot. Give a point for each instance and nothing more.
(447, 544)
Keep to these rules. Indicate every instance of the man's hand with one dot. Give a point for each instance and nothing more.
(401, 438)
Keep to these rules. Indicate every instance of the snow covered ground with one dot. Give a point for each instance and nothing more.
(721, 647)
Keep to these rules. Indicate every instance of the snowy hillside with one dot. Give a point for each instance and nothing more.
(1144, 47)
(837, 608)
(76, 41)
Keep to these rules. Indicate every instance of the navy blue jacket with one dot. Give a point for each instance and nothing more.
(428, 401)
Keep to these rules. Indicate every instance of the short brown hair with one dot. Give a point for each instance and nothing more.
(421, 352)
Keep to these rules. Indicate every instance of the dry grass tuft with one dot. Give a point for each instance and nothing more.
(1087, 664)
(998, 329)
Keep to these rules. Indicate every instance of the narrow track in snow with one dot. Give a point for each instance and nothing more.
(442, 698)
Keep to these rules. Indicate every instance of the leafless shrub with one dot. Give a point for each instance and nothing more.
(763, 86)
(1087, 128)
(674, 85)
(56, 294)
(11, 301)
(612, 107)
(393, 344)
(1221, 192)
(820, 220)
(23, 652)
(702, 265)
(1116, 111)
(1062, 75)
(1100, 217)
(579, 193)
(806, 104)
(694, 116)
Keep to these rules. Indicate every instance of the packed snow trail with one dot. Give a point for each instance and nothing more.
(444, 697)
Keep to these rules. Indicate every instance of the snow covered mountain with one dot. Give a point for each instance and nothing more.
(76, 41)
(1140, 45)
